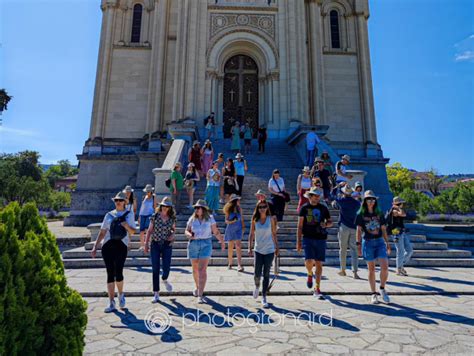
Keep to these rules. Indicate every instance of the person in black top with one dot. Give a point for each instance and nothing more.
(371, 225)
(324, 175)
(313, 220)
(262, 138)
(396, 228)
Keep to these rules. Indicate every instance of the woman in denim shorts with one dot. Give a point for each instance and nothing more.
(199, 230)
(371, 224)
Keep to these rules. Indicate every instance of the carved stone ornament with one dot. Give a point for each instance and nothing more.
(224, 21)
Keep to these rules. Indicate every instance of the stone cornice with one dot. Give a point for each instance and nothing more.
(241, 8)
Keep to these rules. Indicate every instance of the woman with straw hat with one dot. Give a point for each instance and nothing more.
(147, 208)
(234, 231)
(396, 226)
(303, 184)
(161, 233)
(374, 247)
(190, 179)
(131, 202)
(199, 230)
(115, 232)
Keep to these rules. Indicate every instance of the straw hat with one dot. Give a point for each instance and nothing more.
(261, 192)
(347, 190)
(357, 184)
(191, 164)
(148, 188)
(127, 189)
(398, 200)
(313, 191)
(196, 143)
(120, 196)
(234, 197)
(306, 169)
(201, 203)
(346, 157)
(238, 155)
(370, 194)
(166, 202)
(318, 159)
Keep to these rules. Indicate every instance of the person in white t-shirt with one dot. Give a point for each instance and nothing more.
(312, 140)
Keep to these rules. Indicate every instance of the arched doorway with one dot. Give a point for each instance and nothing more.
(240, 93)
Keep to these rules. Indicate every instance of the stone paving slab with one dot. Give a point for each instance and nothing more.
(60, 231)
(432, 325)
(292, 280)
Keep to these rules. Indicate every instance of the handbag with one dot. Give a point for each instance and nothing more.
(286, 194)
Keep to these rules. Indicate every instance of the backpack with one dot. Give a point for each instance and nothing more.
(117, 231)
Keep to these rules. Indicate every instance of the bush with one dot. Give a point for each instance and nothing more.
(39, 313)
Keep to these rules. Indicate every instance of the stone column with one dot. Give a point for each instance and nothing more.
(262, 99)
(220, 100)
(317, 65)
(103, 69)
(158, 54)
(192, 54)
(365, 76)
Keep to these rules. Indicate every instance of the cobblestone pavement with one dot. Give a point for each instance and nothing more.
(57, 228)
(237, 325)
(91, 282)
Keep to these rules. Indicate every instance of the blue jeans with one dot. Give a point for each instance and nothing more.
(157, 251)
(310, 156)
(404, 249)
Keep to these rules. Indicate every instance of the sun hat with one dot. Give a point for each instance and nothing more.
(196, 143)
(313, 191)
(238, 155)
(357, 184)
(306, 169)
(191, 164)
(148, 188)
(127, 189)
(234, 197)
(201, 203)
(370, 194)
(120, 196)
(261, 192)
(398, 200)
(166, 202)
(207, 141)
(346, 157)
(347, 190)
(275, 171)
(318, 159)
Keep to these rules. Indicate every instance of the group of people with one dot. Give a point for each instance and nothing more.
(362, 227)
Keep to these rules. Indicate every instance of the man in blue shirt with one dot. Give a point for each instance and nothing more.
(348, 207)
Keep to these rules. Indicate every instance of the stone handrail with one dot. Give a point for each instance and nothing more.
(176, 153)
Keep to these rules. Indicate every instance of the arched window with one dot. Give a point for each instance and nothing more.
(136, 23)
(335, 35)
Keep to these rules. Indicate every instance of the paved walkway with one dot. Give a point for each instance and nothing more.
(221, 281)
(233, 326)
(60, 231)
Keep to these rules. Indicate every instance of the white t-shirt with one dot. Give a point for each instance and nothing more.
(108, 220)
(311, 140)
(272, 185)
(202, 229)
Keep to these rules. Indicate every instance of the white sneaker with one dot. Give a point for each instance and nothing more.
(264, 302)
(156, 298)
(122, 301)
(201, 300)
(195, 293)
(317, 294)
(255, 293)
(168, 286)
(111, 307)
(384, 296)
(374, 299)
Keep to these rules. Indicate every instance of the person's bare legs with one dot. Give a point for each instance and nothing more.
(371, 268)
(309, 264)
(238, 249)
(202, 267)
(230, 253)
(319, 273)
(111, 290)
(142, 239)
(119, 287)
(195, 264)
(383, 262)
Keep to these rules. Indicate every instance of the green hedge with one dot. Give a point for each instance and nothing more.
(39, 313)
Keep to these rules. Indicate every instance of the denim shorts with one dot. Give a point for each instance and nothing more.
(201, 248)
(373, 249)
(144, 222)
(314, 249)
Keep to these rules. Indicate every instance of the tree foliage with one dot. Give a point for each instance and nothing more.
(60, 170)
(434, 181)
(399, 178)
(39, 313)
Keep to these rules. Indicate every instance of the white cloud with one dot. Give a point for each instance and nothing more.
(17, 132)
(465, 50)
(464, 56)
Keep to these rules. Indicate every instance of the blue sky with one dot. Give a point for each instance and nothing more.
(422, 54)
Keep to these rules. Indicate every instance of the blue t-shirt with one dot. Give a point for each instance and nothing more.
(348, 208)
(239, 167)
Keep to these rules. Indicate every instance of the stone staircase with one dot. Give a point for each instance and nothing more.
(278, 155)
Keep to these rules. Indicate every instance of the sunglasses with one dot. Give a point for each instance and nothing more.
(198, 207)
(262, 207)
(119, 200)
(370, 200)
